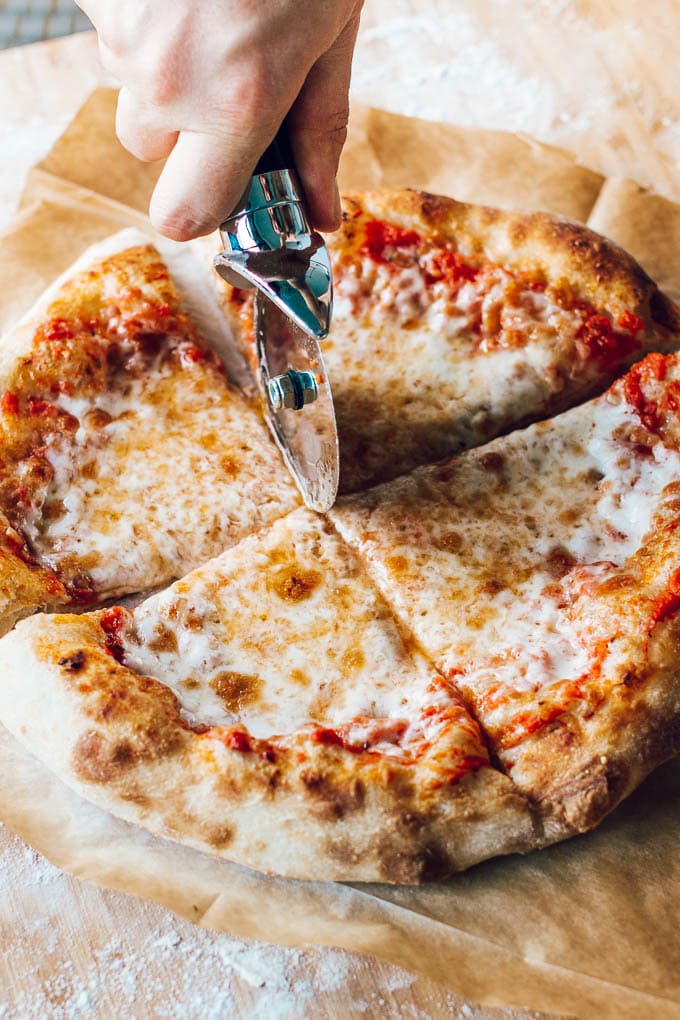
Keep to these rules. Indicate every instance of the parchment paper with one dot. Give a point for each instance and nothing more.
(586, 928)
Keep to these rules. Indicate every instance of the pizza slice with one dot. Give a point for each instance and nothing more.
(267, 708)
(126, 457)
(454, 323)
(541, 574)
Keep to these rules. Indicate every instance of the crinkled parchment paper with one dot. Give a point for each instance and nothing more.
(588, 927)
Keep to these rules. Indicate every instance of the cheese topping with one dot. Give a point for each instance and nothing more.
(319, 645)
(321, 657)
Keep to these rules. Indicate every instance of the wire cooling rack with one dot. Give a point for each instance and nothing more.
(27, 21)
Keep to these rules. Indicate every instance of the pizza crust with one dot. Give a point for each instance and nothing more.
(119, 740)
(533, 241)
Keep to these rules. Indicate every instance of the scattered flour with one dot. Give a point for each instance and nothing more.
(71, 951)
(156, 964)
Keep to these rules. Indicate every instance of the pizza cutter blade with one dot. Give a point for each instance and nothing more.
(298, 403)
(270, 245)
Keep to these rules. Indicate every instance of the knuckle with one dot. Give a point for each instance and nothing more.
(159, 84)
(251, 90)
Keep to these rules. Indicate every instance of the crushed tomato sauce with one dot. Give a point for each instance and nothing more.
(605, 339)
(655, 399)
(446, 765)
(598, 336)
(113, 622)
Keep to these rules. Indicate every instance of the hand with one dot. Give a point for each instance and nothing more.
(207, 83)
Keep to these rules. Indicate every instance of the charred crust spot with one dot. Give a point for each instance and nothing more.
(344, 852)
(408, 866)
(492, 461)
(98, 759)
(409, 821)
(135, 796)
(334, 799)
(664, 312)
(218, 836)
(236, 691)
(435, 208)
(73, 663)
(103, 758)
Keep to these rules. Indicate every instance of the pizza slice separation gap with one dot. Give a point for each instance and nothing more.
(454, 323)
(126, 457)
(541, 574)
(267, 709)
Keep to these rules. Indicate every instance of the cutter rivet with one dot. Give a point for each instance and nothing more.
(292, 389)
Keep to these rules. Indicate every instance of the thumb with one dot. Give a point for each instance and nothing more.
(318, 128)
(201, 182)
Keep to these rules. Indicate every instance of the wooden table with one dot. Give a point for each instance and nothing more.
(73, 950)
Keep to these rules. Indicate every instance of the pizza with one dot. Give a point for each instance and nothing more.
(126, 457)
(474, 657)
(453, 323)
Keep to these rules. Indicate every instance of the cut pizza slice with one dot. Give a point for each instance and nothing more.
(266, 708)
(453, 323)
(126, 457)
(541, 574)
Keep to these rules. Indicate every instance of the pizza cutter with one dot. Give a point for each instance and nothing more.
(270, 245)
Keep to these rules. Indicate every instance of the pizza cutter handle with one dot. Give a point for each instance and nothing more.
(278, 155)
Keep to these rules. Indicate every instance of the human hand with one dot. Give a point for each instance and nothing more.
(207, 83)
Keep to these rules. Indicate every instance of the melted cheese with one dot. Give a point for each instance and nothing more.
(281, 631)
(173, 478)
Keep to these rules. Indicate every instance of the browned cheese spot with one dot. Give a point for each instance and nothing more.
(492, 461)
(353, 660)
(451, 541)
(397, 565)
(165, 640)
(236, 690)
(294, 584)
(298, 676)
(98, 418)
(559, 561)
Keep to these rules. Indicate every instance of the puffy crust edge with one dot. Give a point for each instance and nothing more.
(603, 271)
(119, 740)
(637, 730)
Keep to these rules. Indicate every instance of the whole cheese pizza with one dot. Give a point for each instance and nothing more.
(476, 656)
